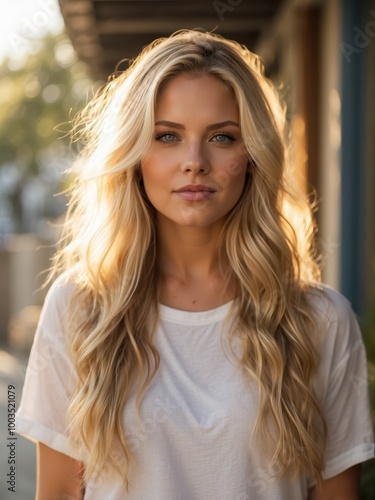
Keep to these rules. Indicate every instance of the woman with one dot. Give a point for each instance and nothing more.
(187, 351)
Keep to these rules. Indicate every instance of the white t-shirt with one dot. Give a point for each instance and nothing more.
(198, 413)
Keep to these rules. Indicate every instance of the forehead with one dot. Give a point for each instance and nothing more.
(200, 93)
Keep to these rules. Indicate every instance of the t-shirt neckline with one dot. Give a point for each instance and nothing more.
(194, 317)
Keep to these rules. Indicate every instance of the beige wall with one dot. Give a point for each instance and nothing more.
(287, 33)
(21, 261)
(330, 141)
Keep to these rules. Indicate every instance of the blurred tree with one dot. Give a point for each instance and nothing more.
(38, 97)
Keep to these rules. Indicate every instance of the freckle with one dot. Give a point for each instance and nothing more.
(194, 301)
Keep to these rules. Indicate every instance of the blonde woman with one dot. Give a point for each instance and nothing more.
(186, 350)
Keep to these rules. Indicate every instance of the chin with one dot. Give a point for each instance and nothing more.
(188, 217)
(192, 222)
(195, 221)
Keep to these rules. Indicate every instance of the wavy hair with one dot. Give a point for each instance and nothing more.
(109, 249)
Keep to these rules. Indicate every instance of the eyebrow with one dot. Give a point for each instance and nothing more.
(214, 126)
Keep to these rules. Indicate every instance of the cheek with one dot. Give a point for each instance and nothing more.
(151, 172)
(232, 174)
(156, 166)
(156, 181)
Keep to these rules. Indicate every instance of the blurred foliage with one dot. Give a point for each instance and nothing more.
(38, 97)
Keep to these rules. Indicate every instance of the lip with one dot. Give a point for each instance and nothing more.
(195, 192)
(201, 188)
(195, 195)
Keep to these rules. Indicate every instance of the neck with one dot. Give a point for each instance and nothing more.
(189, 253)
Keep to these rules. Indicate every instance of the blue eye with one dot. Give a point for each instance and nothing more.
(166, 137)
(223, 138)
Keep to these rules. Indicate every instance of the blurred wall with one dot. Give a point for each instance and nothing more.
(329, 186)
(324, 51)
(22, 260)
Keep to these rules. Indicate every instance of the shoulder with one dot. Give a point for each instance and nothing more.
(330, 308)
(341, 383)
(328, 303)
(62, 287)
(58, 298)
(338, 330)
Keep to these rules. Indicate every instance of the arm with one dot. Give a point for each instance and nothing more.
(344, 486)
(58, 476)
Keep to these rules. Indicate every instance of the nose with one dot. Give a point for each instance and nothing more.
(194, 160)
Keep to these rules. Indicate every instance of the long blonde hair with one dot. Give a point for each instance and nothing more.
(109, 249)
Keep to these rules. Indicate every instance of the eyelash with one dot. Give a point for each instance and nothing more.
(225, 134)
(159, 136)
(163, 134)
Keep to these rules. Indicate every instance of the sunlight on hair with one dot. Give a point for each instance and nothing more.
(109, 251)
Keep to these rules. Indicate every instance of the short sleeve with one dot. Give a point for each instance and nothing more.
(344, 387)
(50, 377)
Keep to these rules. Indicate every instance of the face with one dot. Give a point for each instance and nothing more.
(194, 171)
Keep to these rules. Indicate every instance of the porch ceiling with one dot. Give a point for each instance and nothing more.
(104, 32)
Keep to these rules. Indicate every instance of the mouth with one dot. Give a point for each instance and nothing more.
(195, 188)
(195, 192)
